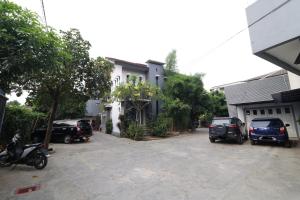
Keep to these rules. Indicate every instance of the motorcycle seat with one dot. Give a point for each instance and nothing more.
(31, 145)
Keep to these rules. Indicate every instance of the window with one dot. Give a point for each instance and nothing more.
(156, 69)
(254, 112)
(262, 112)
(247, 112)
(287, 110)
(278, 110)
(127, 78)
(270, 111)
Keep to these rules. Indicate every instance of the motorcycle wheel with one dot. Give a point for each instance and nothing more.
(3, 162)
(40, 161)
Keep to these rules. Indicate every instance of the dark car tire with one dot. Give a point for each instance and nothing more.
(246, 137)
(82, 140)
(288, 144)
(67, 139)
(212, 140)
(240, 139)
(252, 142)
(40, 161)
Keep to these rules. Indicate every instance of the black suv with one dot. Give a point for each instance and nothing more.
(65, 131)
(227, 128)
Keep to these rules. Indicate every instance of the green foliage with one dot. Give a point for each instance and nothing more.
(171, 62)
(123, 125)
(219, 105)
(161, 126)
(185, 99)
(135, 132)
(136, 95)
(25, 45)
(109, 127)
(18, 117)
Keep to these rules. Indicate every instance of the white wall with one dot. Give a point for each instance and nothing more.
(294, 80)
(270, 26)
(116, 78)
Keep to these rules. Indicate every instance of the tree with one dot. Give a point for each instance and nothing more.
(25, 46)
(73, 73)
(186, 97)
(171, 62)
(136, 95)
(219, 105)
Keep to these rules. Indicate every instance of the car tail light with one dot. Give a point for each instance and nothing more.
(281, 131)
(232, 126)
(251, 130)
(211, 126)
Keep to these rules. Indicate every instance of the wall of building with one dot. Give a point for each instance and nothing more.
(156, 70)
(272, 22)
(294, 80)
(92, 108)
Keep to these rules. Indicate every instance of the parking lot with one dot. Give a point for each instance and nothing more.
(182, 167)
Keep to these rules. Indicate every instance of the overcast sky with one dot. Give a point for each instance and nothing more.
(138, 30)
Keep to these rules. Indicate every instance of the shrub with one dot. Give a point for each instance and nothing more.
(109, 126)
(123, 125)
(161, 126)
(18, 117)
(135, 132)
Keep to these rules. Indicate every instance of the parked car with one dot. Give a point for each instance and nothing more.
(227, 128)
(65, 131)
(269, 130)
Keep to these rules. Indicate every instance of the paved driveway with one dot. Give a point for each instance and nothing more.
(182, 167)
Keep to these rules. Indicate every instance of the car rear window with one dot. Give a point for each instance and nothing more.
(221, 121)
(84, 123)
(267, 124)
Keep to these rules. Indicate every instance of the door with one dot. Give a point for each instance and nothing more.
(285, 113)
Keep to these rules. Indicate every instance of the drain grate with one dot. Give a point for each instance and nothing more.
(28, 189)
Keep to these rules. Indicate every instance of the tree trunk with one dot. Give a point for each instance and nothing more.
(50, 122)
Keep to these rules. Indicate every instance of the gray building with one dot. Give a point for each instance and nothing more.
(269, 95)
(3, 100)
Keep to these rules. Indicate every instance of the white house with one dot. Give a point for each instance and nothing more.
(152, 71)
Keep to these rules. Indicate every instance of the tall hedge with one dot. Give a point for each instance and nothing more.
(18, 117)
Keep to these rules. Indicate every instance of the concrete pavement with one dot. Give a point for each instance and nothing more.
(182, 167)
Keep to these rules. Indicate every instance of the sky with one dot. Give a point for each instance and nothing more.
(138, 30)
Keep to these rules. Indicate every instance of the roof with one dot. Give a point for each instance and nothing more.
(258, 89)
(126, 62)
(155, 62)
(268, 75)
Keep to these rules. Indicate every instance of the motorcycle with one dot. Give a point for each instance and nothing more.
(30, 154)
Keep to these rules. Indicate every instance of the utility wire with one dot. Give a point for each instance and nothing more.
(44, 12)
(239, 32)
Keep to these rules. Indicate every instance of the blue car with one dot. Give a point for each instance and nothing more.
(268, 130)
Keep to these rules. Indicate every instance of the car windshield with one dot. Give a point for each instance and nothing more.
(267, 124)
(221, 121)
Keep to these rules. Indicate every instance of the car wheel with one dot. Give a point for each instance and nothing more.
(252, 142)
(246, 137)
(288, 144)
(240, 139)
(82, 140)
(67, 139)
(212, 140)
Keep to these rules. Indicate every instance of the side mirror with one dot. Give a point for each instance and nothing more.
(287, 125)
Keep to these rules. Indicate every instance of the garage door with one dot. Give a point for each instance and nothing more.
(284, 113)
